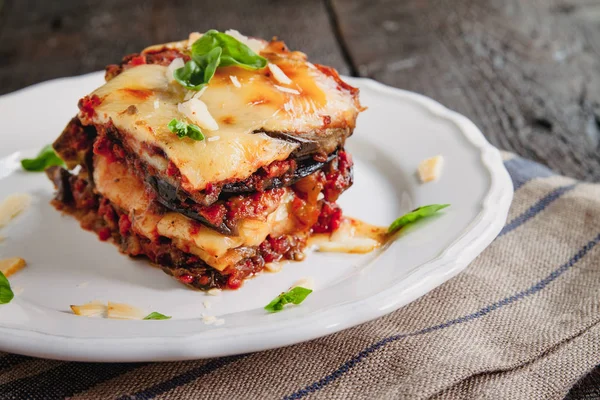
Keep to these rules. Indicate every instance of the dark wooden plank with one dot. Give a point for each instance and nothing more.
(526, 72)
(41, 39)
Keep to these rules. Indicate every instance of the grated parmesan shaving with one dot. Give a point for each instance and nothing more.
(11, 265)
(255, 45)
(91, 309)
(287, 90)
(207, 304)
(12, 206)
(209, 319)
(175, 64)
(214, 292)
(196, 111)
(278, 74)
(308, 283)
(213, 138)
(235, 81)
(124, 311)
(430, 169)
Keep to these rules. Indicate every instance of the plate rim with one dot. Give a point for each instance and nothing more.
(452, 260)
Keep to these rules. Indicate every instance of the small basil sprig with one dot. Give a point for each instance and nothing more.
(182, 129)
(46, 158)
(293, 296)
(414, 215)
(215, 49)
(156, 315)
(6, 293)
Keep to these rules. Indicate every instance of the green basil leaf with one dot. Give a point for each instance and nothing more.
(6, 293)
(215, 49)
(293, 296)
(182, 129)
(208, 62)
(46, 158)
(416, 214)
(156, 315)
(234, 52)
(190, 76)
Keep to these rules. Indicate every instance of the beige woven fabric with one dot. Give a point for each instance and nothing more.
(521, 322)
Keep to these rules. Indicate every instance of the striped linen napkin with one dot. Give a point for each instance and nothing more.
(521, 322)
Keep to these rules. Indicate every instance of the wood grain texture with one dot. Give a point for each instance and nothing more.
(41, 39)
(526, 72)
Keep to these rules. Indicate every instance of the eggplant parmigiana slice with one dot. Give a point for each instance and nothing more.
(261, 173)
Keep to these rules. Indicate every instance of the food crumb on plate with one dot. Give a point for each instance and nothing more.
(308, 283)
(12, 206)
(214, 292)
(430, 169)
(11, 265)
(207, 304)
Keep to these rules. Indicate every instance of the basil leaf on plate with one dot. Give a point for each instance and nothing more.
(182, 129)
(157, 316)
(46, 158)
(6, 293)
(293, 296)
(215, 49)
(416, 214)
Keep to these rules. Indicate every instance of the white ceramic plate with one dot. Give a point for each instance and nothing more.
(67, 265)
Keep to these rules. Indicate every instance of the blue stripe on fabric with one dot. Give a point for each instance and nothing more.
(11, 360)
(522, 171)
(182, 379)
(538, 286)
(535, 209)
(62, 381)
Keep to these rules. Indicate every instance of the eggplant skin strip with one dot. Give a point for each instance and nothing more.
(167, 195)
(305, 168)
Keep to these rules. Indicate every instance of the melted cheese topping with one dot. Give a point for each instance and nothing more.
(219, 251)
(242, 102)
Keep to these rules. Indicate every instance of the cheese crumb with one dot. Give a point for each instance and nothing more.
(196, 111)
(12, 206)
(214, 292)
(308, 283)
(207, 304)
(175, 64)
(124, 311)
(11, 265)
(235, 81)
(91, 309)
(209, 319)
(287, 90)
(430, 169)
(255, 45)
(278, 74)
(213, 138)
(156, 104)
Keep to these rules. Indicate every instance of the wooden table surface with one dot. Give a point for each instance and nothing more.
(527, 72)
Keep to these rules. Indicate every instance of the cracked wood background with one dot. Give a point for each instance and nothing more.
(527, 72)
